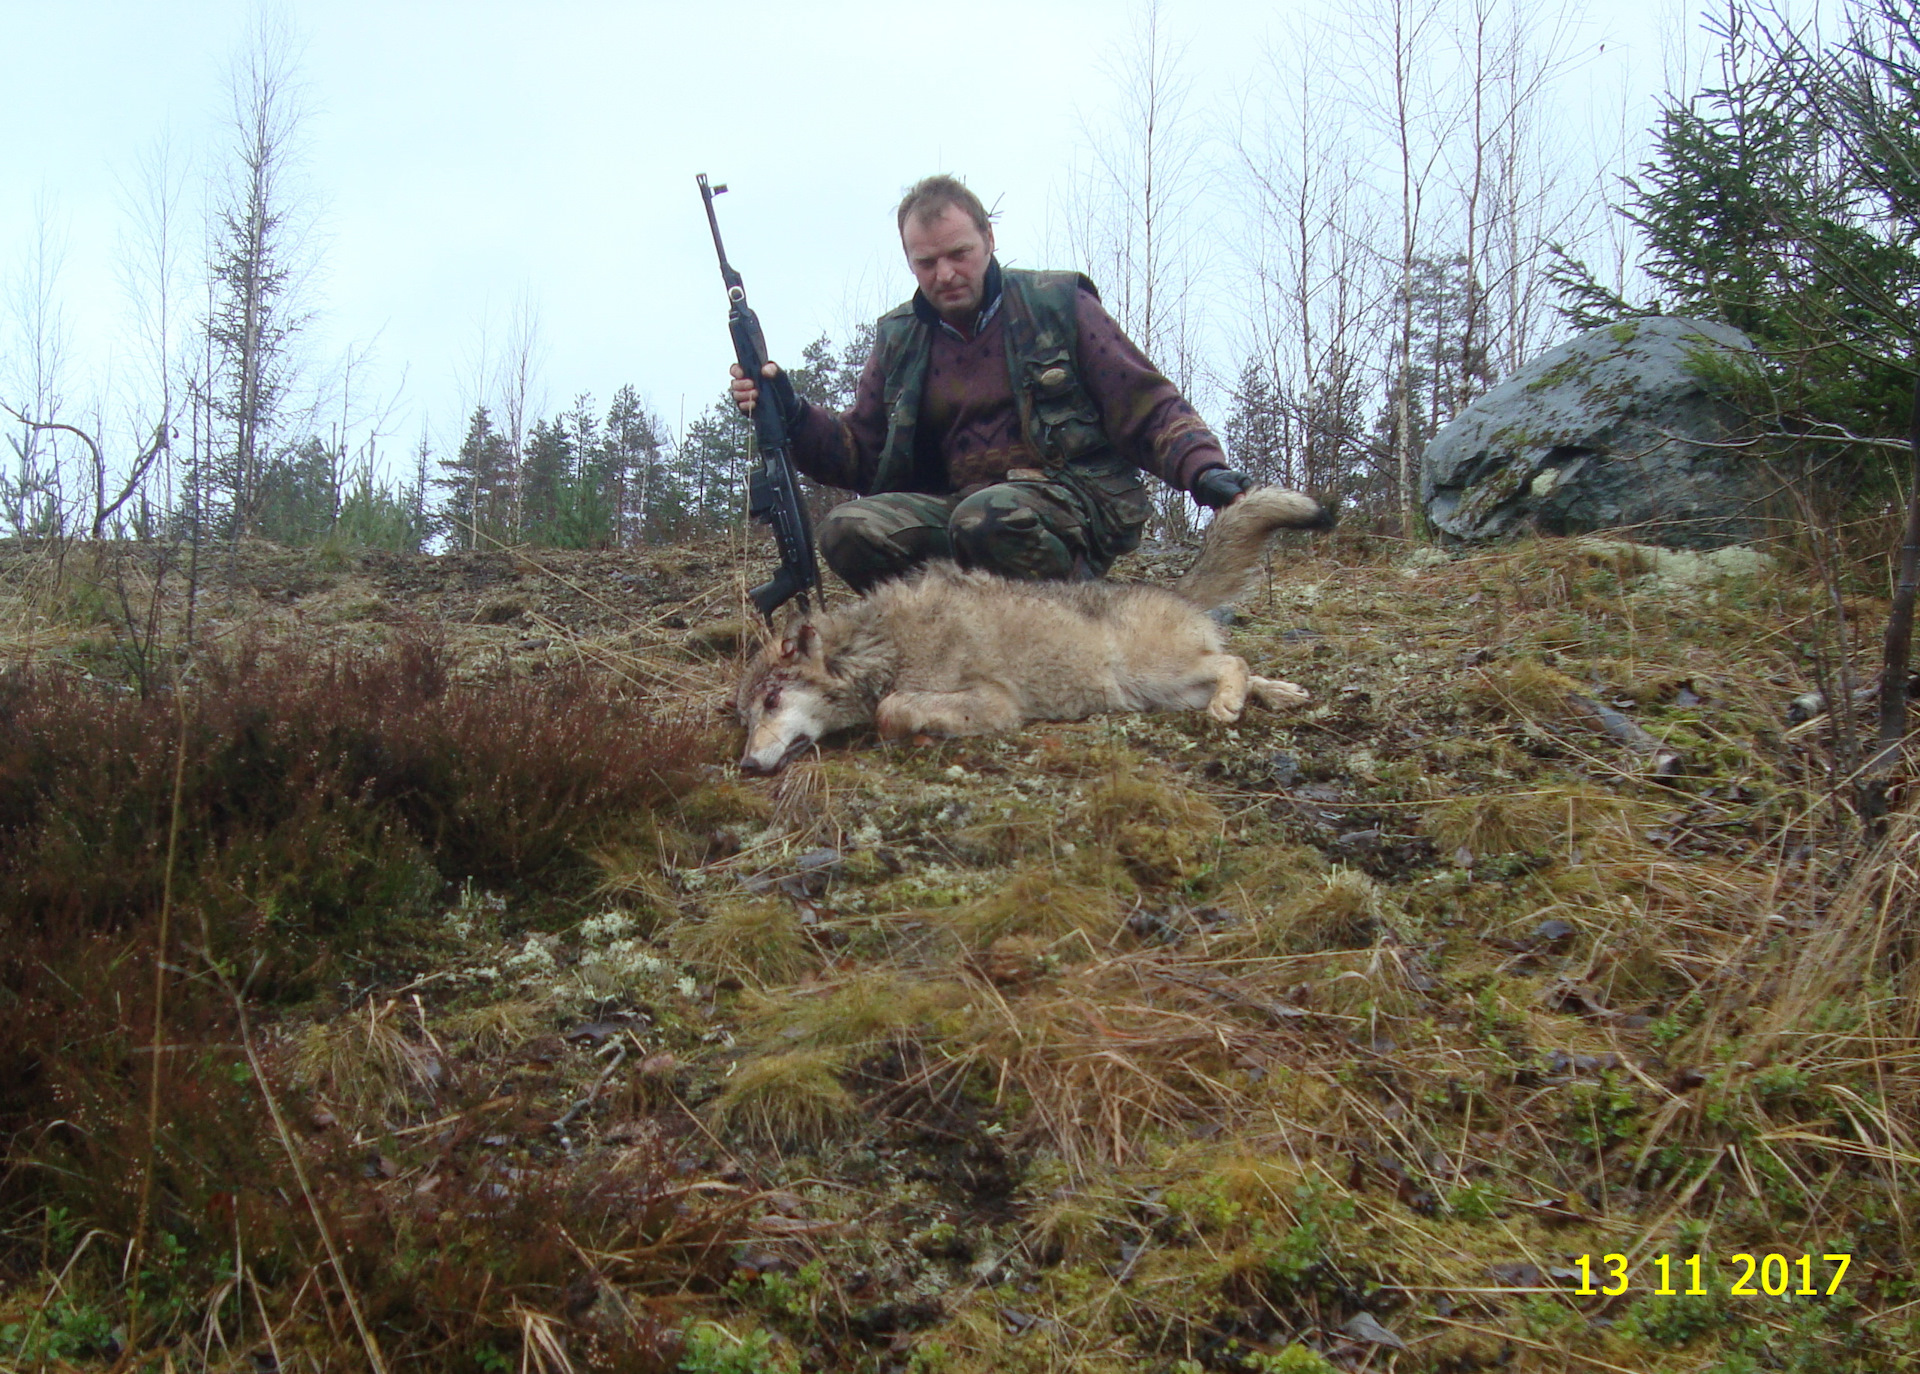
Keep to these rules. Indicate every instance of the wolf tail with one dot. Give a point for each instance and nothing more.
(1238, 537)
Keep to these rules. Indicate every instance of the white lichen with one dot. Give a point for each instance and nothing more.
(534, 960)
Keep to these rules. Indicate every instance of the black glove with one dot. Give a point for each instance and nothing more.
(1218, 487)
(780, 385)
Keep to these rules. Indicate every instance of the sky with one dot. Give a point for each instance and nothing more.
(466, 159)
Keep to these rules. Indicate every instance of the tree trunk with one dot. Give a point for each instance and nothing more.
(1899, 643)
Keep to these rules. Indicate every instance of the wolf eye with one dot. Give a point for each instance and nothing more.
(773, 700)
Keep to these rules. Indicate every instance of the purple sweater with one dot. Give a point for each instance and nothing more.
(968, 435)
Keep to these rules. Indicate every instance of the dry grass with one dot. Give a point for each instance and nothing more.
(861, 1011)
(1162, 832)
(372, 1060)
(1121, 1058)
(1550, 821)
(788, 1101)
(758, 941)
(497, 1027)
(1043, 902)
(1344, 909)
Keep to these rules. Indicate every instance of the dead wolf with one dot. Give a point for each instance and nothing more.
(951, 652)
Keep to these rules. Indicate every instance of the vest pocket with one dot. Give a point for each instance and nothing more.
(1064, 414)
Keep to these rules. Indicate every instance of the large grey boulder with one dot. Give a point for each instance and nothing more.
(1612, 430)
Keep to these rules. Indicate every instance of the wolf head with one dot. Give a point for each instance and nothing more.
(788, 698)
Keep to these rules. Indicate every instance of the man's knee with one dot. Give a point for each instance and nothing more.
(856, 547)
(1003, 530)
(870, 540)
(843, 533)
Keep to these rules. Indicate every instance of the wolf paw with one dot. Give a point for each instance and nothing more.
(1277, 695)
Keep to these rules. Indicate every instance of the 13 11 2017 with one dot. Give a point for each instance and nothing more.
(1768, 1275)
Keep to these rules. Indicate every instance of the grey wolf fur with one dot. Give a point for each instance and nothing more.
(950, 652)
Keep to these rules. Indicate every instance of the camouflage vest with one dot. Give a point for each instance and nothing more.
(1058, 419)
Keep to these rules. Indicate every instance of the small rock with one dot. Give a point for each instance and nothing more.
(1154, 928)
(1363, 1327)
(1520, 1275)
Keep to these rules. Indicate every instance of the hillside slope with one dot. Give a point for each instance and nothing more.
(505, 1026)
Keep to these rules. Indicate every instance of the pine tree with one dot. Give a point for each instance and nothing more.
(376, 515)
(1256, 428)
(477, 482)
(296, 496)
(829, 379)
(712, 462)
(633, 466)
(546, 471)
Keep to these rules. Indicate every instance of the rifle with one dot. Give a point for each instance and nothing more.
(773, 489)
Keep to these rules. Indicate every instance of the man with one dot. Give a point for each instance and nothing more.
(1002, 420)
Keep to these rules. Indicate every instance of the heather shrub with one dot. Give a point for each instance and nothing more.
(317, 792)
(327, 802)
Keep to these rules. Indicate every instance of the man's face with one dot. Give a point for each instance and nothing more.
(949, 255)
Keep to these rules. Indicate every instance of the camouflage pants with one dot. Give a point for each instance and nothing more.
(1033, 531)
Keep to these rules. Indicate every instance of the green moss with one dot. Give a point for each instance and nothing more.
(1566, 371)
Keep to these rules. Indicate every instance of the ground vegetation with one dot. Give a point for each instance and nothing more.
(400, 976)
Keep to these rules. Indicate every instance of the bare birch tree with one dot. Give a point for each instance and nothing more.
(1400, 173)
(35, 383)
(518, 386)
(1305, 233)
(1536, 182)
(51, 426)
(1133, 220)
(1399, 36)
(153, 265)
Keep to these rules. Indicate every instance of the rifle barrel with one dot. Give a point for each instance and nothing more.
(736, 288)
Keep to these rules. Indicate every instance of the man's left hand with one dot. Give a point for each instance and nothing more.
(1219, 487)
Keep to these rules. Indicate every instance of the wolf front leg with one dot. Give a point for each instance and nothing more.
(976, 711)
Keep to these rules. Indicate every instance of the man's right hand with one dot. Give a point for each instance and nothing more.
(745, 392)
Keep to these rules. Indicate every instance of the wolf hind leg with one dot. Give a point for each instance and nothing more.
(1276, 695)
(975, 711)
(1230, 680)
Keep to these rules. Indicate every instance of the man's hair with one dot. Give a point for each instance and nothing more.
(931, 195)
